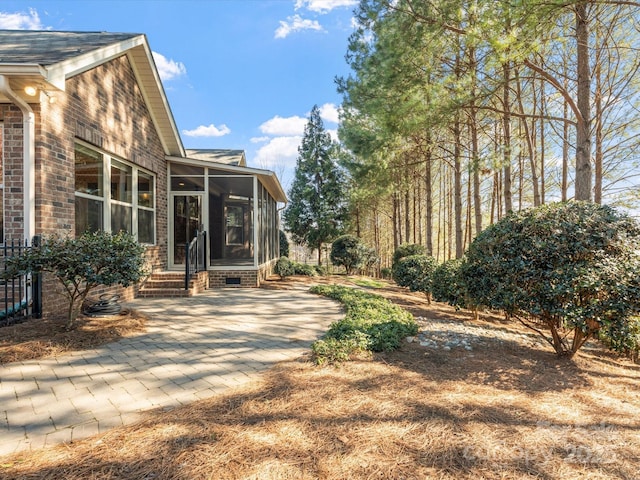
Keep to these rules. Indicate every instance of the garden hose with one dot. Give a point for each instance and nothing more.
(107, 305)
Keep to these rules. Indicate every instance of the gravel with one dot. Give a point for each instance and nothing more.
(450, 335)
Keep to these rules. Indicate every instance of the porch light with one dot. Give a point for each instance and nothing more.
(30, 90)
(50, 98)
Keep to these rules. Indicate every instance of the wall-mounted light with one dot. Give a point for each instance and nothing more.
(30, 90)
(50, 98)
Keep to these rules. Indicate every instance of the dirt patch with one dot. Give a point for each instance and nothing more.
(506, 409)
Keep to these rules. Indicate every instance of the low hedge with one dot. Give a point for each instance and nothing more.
(371, 323)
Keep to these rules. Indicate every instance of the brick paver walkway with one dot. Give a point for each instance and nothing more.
(194, 348)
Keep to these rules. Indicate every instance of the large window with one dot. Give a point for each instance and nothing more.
(113, 195)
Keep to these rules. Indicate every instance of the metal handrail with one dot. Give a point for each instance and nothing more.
(195, 256)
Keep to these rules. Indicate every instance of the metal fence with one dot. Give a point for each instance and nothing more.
(20, 295)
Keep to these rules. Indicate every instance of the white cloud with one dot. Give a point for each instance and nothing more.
(334, 134)
(329, 112)
(280, 126)
(279, 152)
(295, 24)
(323, 6)
(21, 21)
(167, 68)
(259, 139)
(208, 131)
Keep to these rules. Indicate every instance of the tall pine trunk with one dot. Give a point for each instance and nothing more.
(583, 134)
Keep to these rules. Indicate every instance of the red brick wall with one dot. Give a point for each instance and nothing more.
(104, 107)
(248, 278)
(12, 169)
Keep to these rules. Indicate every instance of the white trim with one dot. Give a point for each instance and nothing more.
(29, 158)
(255, 221)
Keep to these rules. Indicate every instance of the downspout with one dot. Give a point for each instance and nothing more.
(29, 157)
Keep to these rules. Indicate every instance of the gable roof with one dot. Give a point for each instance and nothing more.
(225, 157)
(46, 59)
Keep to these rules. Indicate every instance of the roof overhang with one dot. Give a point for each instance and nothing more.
(53, 77)
(268, 178)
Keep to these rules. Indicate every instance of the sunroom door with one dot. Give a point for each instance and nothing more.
(187, 220)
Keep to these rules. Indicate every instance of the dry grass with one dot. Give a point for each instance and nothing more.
(507, 410)
(49, 337)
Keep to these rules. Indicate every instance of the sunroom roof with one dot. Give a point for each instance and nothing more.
(224, 156)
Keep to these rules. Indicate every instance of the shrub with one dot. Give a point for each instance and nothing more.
(572, 267)
(321, 270)
(415, 273)
(626, 342)
(304, 269)
(407, 250)
(284, 267)
(371, 323)
(80, 264)
(448, 285)
(386, 273)
(284, 244)
(348, 251)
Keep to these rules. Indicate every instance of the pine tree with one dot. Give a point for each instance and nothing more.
(316, 212)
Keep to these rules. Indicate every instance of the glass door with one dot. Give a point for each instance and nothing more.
(187, 220)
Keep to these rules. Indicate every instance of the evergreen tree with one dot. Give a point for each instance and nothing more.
(316, 212)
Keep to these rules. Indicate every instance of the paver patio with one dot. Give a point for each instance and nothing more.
(194, 348)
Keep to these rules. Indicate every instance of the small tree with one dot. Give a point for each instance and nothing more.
(415, 272)
(81, 264)
(568, 270)
(349, 252)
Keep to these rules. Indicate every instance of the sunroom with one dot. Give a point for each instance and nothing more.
(233, 208)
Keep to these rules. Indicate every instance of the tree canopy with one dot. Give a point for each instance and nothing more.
(459, 112)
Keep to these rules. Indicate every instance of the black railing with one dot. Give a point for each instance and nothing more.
(20, 295)
(195, 255)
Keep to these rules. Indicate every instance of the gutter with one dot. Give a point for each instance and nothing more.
(29, 157)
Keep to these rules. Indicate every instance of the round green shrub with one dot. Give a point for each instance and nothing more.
(284, 267)
(573, 267)
(415, 273)
(304, 269)
(349, 251)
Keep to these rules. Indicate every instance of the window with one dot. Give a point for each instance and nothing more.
(146, 203)
(235, 225)
(113, 194)
(89, 190)
(121, 197)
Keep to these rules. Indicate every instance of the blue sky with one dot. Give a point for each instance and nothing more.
(239, 74)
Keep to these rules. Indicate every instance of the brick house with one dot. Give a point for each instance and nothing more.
(88, 141)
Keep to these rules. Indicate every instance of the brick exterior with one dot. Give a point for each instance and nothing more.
(248, 278)
(103, 107)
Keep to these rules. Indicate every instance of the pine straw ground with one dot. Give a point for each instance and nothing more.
(507, 410)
